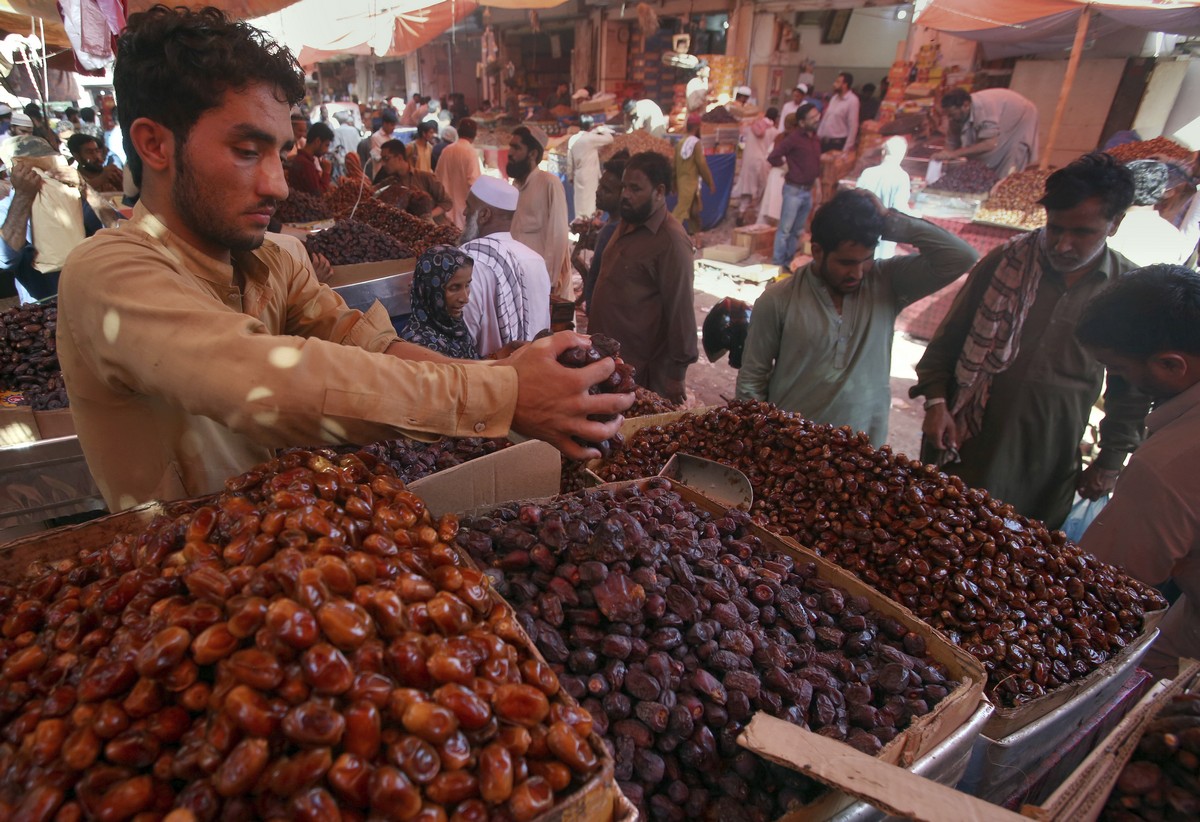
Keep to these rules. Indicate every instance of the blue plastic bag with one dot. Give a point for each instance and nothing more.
(1081, 516)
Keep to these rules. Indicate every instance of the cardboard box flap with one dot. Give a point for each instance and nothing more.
(1083, 795)
(847, 769)
(530, 469)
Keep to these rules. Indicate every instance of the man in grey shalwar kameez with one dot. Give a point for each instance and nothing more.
(996, 126)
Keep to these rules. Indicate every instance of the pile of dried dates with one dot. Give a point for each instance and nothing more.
(621, 381)
(348, 242)
(1035, 609)
(673, 626)
(301, 207)
(413, 232)
(29, 356)
(308, 646)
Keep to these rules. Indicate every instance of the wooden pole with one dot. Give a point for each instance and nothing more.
(1068, 82)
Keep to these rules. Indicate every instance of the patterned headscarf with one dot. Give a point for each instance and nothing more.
(430, 325)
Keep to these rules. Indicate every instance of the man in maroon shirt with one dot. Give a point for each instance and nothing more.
(309, 170)
(802, 151)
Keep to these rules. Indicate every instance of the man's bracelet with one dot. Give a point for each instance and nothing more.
(930, 402)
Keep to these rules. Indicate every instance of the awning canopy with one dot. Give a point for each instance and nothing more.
(1014, 27)
(315, 31)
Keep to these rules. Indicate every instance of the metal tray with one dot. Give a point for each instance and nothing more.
(999, 766)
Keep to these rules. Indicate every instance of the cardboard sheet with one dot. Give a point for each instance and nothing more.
(844, 768)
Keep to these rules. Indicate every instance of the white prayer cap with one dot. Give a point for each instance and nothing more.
(5, 110)
(496, 193)
(21, 119)
(581, 94)
(742, 90)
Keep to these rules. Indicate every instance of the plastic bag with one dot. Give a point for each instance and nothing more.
(1081, 516)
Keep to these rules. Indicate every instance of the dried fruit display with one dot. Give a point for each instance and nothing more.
(1014, 202)
(718, 114)
(412, 460)
(1035, 609)
(673, 626)
(1158, 148)
(1161, 782)
(636, 142)
(413, 200)
(301, 207)
(647, 403)
(415, 233)
(621, 381)
(307, 646)
(29, 356)
(348, 242)
(967, 177)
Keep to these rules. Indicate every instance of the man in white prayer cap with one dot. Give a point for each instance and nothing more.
(510, 290)
(541, 219)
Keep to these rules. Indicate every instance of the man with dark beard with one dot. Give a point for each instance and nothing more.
(643, 296)
(541, 219)
(89, 159)
(192, 349)
(820, 341)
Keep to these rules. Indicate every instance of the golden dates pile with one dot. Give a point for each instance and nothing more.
(305, 646)
(1035, 609)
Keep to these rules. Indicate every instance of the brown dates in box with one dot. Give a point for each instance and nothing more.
(1037, 611)
(306, 645)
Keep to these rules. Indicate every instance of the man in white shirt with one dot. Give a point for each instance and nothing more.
(388, 122)
(345, 141)
(583, 164)
(839, 122)
(792, 105)
(510, 289)
(646, 115)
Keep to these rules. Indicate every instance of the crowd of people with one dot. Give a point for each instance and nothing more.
(1043, 324)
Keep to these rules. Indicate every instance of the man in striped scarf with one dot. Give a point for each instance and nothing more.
(1008, 389)
(510, 290)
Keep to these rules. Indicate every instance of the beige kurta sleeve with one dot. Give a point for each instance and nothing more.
(139, 326)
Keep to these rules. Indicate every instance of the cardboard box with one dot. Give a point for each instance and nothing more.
(1082, 795)
(528, 469)
(365, 272)
(54, 424)
(759, 238)
(726, 253)
(926, 732)
(389, 282)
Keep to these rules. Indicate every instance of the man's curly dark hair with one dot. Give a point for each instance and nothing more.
(174, 64)
(1092, 175)
(851, 216)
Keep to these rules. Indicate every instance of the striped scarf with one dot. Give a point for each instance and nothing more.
(994, 339)
(511, 302)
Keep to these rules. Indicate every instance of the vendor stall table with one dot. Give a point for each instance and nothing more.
(923, 317)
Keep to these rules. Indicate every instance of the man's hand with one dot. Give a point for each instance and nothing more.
(939, 428)
(945, 154)
(508, 350)
(553, 402)
(26, 181)
(321, 267)
(1095, 481)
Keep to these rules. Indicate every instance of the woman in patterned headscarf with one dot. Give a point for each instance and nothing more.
(441, 287)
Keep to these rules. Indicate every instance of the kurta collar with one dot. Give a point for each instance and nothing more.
(654, 223)
(196, 261)
(1174, 408)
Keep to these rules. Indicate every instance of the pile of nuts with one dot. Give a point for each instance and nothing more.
(674, 626)
(308, 646)
(413, 232)
(1035, 609)
(1160, 148)
(969, 177)
(29, 357)
(1162, 781)
(1014, 202)
(301, 207)
(348, 242)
